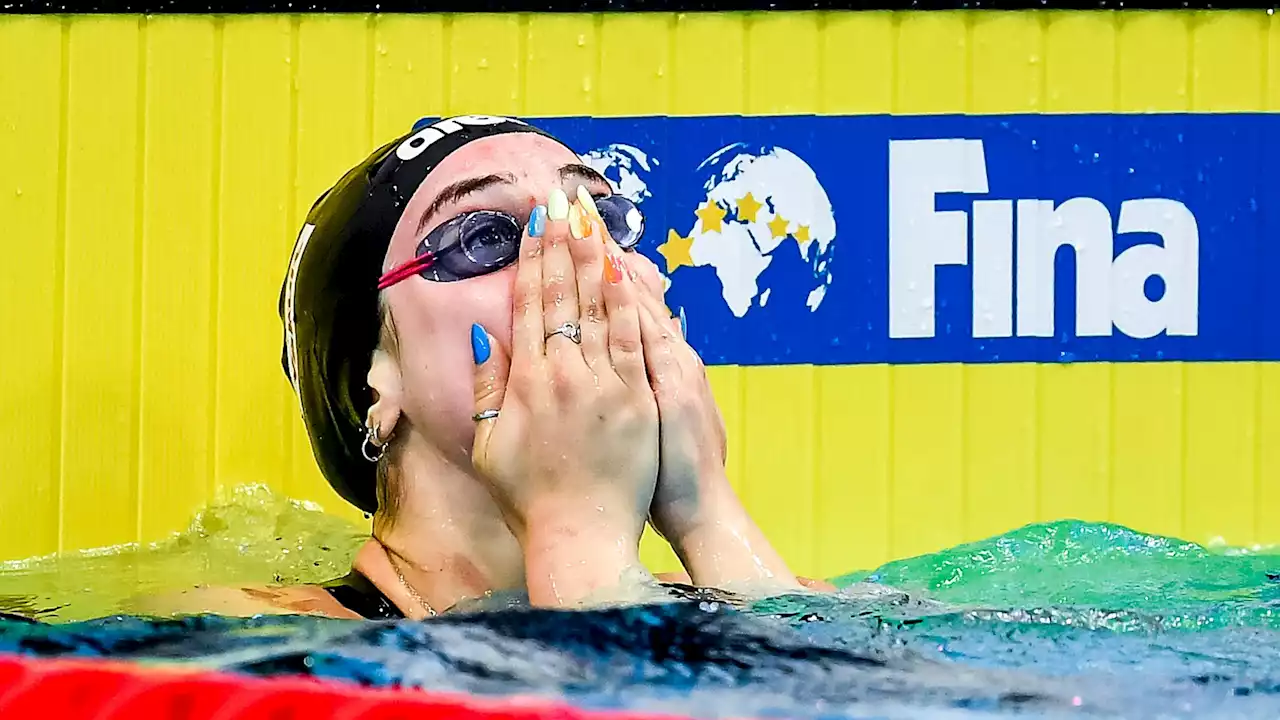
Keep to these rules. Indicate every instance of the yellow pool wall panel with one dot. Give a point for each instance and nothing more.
(154, 170)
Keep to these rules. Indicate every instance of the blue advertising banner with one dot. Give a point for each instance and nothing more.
(919, 239)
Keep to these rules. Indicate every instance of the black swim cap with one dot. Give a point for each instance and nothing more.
(329, 300)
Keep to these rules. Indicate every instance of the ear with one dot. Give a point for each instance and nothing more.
(384, 378)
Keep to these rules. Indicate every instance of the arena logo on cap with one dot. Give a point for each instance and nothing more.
(417, 143)
(1111, 289)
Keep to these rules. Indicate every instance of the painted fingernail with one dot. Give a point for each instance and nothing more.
(588, 203)
(684, 324)
(557, 205)
(479, 344)
(613, 270)
(578, 222)
(538, 221)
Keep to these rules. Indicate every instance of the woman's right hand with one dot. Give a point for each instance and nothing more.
(572, 456)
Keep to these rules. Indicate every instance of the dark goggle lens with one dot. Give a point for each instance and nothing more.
(471, 245)
(622, 219)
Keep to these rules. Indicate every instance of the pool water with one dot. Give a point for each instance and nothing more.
(1062, 619)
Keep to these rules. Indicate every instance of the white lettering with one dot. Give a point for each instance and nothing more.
(1111, 293)
(417, 143)
(1177, 263)
(992, 268)
(1085, 225)
(920, 237)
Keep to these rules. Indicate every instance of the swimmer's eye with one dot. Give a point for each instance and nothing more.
(622, 219)
(470, 245)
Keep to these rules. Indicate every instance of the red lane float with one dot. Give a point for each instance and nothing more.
(111, 690)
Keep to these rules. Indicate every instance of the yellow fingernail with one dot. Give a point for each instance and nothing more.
(577, 222)
(588, 203)
(557, 205)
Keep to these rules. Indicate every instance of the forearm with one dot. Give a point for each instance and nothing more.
(721, 546)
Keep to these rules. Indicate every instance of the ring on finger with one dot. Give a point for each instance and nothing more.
(569, 330)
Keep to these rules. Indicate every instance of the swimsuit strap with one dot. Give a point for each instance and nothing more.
(362, 597)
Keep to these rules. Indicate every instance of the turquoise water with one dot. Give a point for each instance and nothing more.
(1061, 619)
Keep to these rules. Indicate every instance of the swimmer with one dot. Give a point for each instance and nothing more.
(486, 366)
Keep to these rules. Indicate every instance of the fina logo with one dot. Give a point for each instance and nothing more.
(1109, 288)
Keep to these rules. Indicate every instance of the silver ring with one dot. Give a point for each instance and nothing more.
(569, 330)
(485, 415)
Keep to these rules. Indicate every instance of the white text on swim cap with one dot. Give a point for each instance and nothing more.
(417, 143)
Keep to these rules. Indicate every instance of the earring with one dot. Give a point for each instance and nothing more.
(371, 441)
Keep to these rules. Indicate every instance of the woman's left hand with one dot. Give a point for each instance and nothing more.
(694, 506)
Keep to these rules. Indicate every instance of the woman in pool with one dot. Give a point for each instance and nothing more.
(486, 367)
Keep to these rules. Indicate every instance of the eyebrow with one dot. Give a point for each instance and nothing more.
(455, 192)
(582, 173)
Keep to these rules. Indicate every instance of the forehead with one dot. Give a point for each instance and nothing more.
(527, 156)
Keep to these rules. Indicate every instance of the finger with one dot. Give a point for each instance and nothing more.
(622, 306)
(493, 367)
(588, 255)
(661, 315)
(559, 283)
(527, 334)
(662, 362)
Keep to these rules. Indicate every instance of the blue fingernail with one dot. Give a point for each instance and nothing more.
(479, 344)
(538, 221)
(684, 325)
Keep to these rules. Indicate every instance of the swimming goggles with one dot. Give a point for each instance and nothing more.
(484, 241)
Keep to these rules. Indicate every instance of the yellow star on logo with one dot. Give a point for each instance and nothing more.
(778, 226)
(748, 207)
(802, 235)
(676, 251)
(711, 216)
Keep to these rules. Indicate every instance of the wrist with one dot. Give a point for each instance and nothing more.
(575, 554)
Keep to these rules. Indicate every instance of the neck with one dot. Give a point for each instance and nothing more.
(446, 536)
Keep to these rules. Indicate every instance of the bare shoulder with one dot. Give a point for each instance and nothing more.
(244, 602)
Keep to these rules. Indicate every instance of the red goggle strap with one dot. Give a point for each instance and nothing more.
(406, 270)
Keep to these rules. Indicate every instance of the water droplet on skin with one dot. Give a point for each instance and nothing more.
(484, 63)
(582, 40)
(19, 191)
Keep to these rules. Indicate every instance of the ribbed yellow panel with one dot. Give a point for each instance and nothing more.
(484, 73)
(33, 153)
(636, 51)
(100, 358)
(158, 169)
(408, 73)
(254, 237)
(175, 479)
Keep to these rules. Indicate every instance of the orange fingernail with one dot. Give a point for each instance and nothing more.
(613, 270)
